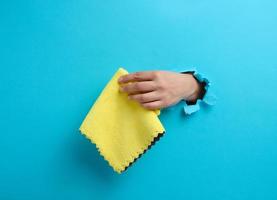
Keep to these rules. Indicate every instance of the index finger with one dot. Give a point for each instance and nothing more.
(137, 76)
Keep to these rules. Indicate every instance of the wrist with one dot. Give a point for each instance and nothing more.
(195, 89)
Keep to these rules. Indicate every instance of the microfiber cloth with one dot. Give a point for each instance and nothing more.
(121, 128)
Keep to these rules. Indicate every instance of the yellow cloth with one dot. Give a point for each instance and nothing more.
(121, 128)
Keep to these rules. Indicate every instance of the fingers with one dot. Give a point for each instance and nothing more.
(146, 97)
(142, 87)
(153, 105)
(138, 87)
(137, 76)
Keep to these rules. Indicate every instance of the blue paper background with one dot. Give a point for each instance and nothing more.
(56, 56)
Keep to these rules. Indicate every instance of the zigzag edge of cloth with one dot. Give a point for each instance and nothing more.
(99, 130)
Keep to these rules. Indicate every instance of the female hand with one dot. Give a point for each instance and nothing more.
(160, 89)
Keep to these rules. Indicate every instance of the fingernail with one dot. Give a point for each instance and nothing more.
(120, 79)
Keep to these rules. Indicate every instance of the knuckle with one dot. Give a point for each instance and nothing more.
(165, 102)
(136, 86)
(142, 98)
(137, 76)
(126, 88)
(147, 105)
(157, 106)
(156, 74)
(161, 85)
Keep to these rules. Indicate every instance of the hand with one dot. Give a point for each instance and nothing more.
(160, 89)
